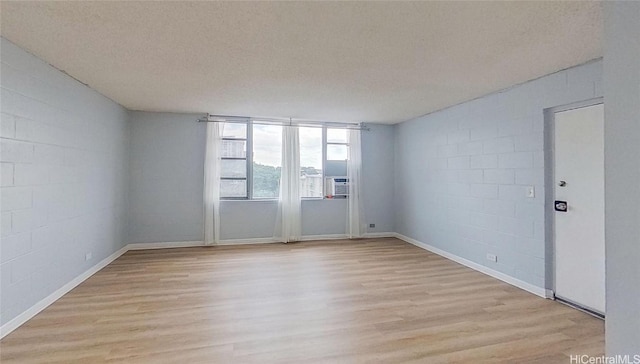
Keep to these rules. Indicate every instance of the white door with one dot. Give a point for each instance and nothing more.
(579, 232)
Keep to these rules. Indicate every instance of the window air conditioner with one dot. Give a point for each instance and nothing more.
(337, 187)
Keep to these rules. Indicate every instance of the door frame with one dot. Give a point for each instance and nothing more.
(549, 186)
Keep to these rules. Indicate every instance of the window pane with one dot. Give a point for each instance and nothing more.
(234, 168)
(337, 136)
(234, 130)
(337, 152)
(234, 148)
(266, 181)
(267, 160)
(310, 162)
(311, 185)
(233, 188)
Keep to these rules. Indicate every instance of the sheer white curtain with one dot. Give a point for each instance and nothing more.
(355, 216)
(289, 220)
(212, 165)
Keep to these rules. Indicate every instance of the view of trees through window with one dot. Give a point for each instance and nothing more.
(267, 161)
(266, 181)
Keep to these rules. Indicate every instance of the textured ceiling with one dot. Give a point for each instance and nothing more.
(354, 61)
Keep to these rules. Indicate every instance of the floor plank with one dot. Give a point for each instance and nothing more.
(365, 301)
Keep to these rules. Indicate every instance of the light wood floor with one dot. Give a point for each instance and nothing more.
(375, 300)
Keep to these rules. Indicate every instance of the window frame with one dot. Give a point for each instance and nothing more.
(323, 139)
(250, 196)
(249, 164)
(248, 158)
(327, 143)
(326, 159)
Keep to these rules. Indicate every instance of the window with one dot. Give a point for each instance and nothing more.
(233, 176)
(311, 162)
(337, 154)
(251, 154)
(267, 160)
(337, 145)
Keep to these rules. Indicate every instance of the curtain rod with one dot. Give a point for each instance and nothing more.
(280, 121)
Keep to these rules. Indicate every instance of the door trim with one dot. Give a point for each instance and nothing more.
(549, 184)
(570, 303)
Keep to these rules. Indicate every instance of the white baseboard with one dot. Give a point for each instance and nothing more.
(380, 235)
(186, 244)
(345, 236)
(164, 245)
(189, 244)
(45, 302)
(303, 238)
(538, 291)
(324, 237)
(247, 241)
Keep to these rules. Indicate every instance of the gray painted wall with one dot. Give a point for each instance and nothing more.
(379, 177)
(622, 176)
(462, 174)
(167, 157)
(64, 175)
(167, 177)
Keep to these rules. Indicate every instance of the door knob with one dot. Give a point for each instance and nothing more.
(561, 206)
(562, 183)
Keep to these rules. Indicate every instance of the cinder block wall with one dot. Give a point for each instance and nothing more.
(64, 173)
(462, 174)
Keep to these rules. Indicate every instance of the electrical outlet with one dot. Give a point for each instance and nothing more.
(88, 256)
(531, 192)
(372, 225)
(492, 257)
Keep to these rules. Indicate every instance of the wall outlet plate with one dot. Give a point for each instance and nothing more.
(88, 256)
(492, 257)
(531, 192)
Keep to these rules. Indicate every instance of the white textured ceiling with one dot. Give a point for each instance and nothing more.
(355, 61)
